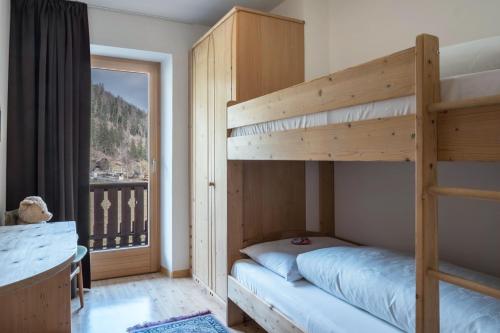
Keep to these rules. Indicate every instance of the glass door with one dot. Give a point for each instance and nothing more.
(124, 180)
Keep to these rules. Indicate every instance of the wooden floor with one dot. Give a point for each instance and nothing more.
(116, 304)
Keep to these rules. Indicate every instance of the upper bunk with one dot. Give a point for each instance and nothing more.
(368, 112)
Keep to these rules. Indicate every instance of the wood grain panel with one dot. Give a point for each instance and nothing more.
(153, 197)
(469, 134)
(43, 307)
(200, 162)
(274, 198)
(326, 198)
(211, 161)
(464, 283)
(270, 55)
(471, 103)
(35, 264)
(236, 9)
(384, 78)
(426, 226)
(249, 54)
(130, 261)
(386, 139)
(222, 42)
(470, 193)
(264, 314)
(235, 219)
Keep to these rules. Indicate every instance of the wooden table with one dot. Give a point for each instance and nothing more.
(35, 264)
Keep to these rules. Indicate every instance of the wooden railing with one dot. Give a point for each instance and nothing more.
(118, 215)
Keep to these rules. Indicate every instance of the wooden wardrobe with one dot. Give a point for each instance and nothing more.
(245, 55)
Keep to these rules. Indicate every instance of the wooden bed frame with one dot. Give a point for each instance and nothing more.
(466, 130)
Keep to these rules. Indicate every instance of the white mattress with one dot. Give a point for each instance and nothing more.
(452, 88)
(312, 309)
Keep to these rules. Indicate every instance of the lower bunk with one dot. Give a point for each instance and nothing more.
(355, 289)
(296, 307)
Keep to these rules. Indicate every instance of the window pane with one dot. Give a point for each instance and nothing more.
(119, 168)
(119, 126)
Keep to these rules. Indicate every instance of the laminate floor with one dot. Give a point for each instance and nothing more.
(116, 304)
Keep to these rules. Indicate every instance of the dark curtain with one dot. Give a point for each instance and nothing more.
(48, 136)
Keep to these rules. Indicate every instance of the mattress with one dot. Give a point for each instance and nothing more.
(312, 309)
(453, 88)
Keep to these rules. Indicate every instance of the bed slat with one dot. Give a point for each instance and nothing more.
(263, 313)
(465, 193)
(384, 78)
(464, 283)
(473, 103)
(463, 135)
(387, 139)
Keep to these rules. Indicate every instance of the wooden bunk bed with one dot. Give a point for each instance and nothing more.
(465, 130)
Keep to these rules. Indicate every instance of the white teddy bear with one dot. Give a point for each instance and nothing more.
(33, 210)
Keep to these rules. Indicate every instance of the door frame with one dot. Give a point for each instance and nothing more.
(143, 259)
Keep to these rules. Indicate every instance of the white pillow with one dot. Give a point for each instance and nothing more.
(470, 57)
(382, 282)
(280, 256)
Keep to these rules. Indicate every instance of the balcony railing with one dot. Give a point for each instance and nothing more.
(118, 215)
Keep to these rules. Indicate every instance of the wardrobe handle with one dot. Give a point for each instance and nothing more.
(153, 165)
(211, 184)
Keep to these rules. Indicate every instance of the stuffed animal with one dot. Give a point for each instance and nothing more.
(33, 210)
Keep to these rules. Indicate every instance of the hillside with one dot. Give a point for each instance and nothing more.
(118, 137)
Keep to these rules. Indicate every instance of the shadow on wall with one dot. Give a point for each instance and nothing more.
(374, 205)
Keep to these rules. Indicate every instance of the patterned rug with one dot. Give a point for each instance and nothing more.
(203, 322)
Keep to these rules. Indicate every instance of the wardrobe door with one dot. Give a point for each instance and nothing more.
(211, 158)
(200, 162)
(269, 55)
(222, 43)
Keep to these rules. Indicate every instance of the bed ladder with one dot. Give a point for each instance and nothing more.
(473, 194)
(427, 189)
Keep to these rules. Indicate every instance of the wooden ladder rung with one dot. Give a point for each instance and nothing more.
(464, 283)
(464, 192)
(465, 104)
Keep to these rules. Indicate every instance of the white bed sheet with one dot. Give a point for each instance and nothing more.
(452, 88)
(312, 309)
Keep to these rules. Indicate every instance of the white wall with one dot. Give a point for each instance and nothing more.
(361, 30)
(375, 201)
(151, 34)
(4, 65)
(316, 16)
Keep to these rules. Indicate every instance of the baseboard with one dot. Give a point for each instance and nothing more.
(182, 273)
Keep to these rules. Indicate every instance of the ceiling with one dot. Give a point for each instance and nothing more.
(205, 12)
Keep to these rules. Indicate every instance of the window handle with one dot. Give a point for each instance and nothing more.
(212, 184)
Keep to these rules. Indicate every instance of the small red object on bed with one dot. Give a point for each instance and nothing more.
(301, 241)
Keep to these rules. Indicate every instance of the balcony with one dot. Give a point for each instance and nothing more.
(118, 215)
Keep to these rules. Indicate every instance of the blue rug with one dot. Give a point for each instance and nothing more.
(203, 322)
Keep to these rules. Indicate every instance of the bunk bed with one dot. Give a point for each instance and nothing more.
(396, 108)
